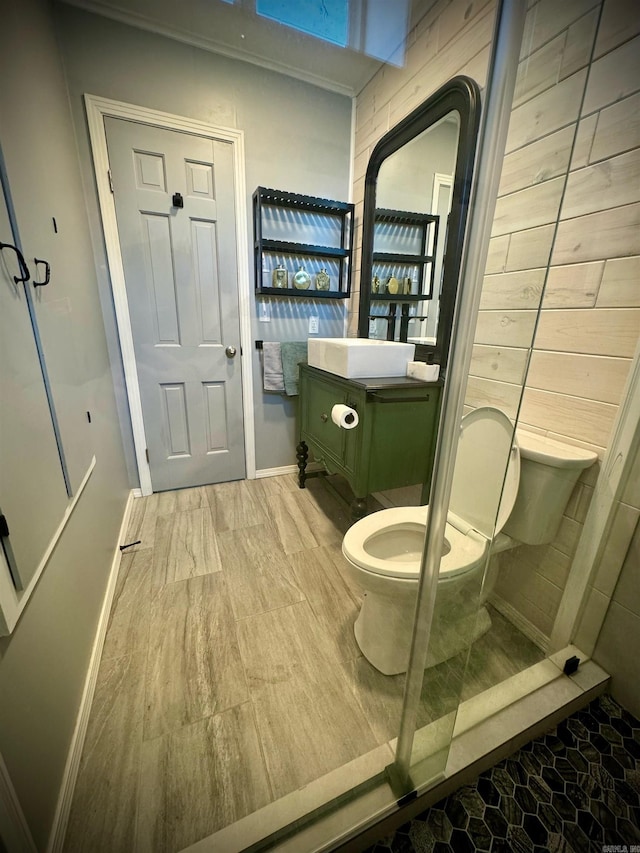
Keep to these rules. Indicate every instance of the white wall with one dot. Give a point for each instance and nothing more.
(297, 138)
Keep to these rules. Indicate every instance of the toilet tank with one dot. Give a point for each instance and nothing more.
(549, 470)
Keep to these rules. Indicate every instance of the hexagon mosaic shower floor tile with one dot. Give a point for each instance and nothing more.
(576, 789)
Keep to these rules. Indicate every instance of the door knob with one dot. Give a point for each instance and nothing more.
(230, 351)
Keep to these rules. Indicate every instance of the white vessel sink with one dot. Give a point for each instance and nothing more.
(355, 358)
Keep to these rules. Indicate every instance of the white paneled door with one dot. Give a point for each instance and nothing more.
(176, 222)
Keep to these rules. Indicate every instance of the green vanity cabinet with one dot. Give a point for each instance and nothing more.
(392, 445)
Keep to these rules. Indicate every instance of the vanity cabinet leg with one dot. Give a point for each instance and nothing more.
(358, 508)
(302, 454)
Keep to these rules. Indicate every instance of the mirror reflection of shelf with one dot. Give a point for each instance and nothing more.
(395, 319)
(404, 250)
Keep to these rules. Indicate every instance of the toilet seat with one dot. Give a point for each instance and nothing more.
(486, 437)
(466, 550)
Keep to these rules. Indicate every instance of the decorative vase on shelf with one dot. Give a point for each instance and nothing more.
(280, 277)
(375, 284)
(393, 285)
(323, 280)
(302, 279)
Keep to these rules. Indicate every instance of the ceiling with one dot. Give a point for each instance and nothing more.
(375, 32)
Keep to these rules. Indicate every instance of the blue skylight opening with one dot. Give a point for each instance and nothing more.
(324, 19)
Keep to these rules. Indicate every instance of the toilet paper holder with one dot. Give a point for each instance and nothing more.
(324, 417)
(344, 416)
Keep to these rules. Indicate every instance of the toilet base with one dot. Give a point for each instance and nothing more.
(384, 628)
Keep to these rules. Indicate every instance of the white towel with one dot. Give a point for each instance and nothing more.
(273, 379)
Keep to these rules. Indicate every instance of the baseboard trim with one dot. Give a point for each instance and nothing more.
(70, 775)
(523, 625)
(285, 469)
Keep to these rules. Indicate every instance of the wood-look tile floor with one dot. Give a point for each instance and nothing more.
(230, 675)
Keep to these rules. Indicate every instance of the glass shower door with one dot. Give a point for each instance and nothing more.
(530, 145)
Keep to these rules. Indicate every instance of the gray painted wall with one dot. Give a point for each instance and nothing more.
(43, 664)
(297, 138)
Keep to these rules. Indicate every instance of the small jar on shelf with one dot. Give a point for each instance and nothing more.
(280, 277)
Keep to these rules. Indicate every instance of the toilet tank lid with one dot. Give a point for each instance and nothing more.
(549, 451)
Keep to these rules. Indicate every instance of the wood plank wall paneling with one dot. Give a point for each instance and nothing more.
(555, 108)
(620, 21)
(580, 37)
(575, 417)
(507, 364)
(609, 183)
(573, 286)
(530, 248)
(583, 141)
(548, 18)
(506, 328)
(594, 377)
(490, 392)
(620, 286)
(537, 205)
(613, 77)
(513, 290)
(497, 256)
(618, 129)
(566, 230)
(612, 233)
(444, 65)
(601, 331)
(547, 158)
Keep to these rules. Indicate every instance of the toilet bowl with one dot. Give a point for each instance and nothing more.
(383, 551)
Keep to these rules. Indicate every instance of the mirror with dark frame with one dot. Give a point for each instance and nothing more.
(415, 210)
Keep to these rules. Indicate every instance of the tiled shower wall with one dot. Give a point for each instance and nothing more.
(614, 599)
(579, 71)
(590, 319)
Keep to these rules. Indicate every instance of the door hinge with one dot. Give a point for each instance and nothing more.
(4, 527)
(146, 453)
(110, 179)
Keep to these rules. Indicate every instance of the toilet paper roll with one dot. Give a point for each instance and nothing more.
(344, 416)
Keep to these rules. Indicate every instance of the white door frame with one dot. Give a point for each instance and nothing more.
(97, 109)
(440, 180)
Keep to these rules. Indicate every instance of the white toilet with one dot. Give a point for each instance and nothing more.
(384, 549)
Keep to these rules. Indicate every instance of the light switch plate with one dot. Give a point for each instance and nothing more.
(313, 325)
